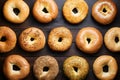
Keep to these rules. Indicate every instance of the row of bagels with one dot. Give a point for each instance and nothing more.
(88, 39)
(105, 67)
(103, 11)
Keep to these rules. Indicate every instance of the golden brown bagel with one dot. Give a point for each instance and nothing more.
(76, 68)
(111, 67)
(60, 39)
(13, 73)
(32, 39)
(45, 10)
(7, 39)
(16, 11)
(75, 11)
(89, 40)
(112, 39)
(104, 11)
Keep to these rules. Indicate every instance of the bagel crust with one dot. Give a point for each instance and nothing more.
(7, 39)
(9, 14)
(32, 39)
(21, 62)
(43, 62)
(104, 11)
(45, 10)
(75, 11)
(89, 40)
(76, 68)
(105, 60)
(60, 39)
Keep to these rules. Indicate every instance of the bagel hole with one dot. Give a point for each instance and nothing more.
(105, 68)
(104, 10)
(3, 39)
(16, 11)
(45, 68)
(75, 69)
(88, 40)
(16, 68)
(116, 39)
(60, 39)
(75, 11)
(32, 39)
(45, 10)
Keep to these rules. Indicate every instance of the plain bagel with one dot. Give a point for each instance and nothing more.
(105, 67)
(16, 11)
(45, 10)
(16, 67)
(89, 40)
(104, 11)
(112, 39)
(8, 39)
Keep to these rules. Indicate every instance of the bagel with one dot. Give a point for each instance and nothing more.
(105, 67)
(60, 39)
(74, 12)
(16, 67)
(45, 10)
(76, 68)
(104, 11)
(89, 40)
(32, 39)
(45, 68)
(8, 39)
(16, 11)
(111, 39)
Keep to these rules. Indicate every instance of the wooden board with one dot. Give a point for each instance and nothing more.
(60, 56)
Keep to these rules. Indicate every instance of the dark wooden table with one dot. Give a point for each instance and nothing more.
(60, 56)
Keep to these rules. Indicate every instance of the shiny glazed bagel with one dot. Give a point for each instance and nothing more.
(16, 67)
(104, 11)
(75, 11)
(76, 68)
(89, 40)
(112, 39)
(45, 10)
(105, 67)
(45, 68)
(8, 39)
(16, 11)
(60, 39)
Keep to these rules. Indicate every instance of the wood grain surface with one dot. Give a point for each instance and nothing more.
(60, 56)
